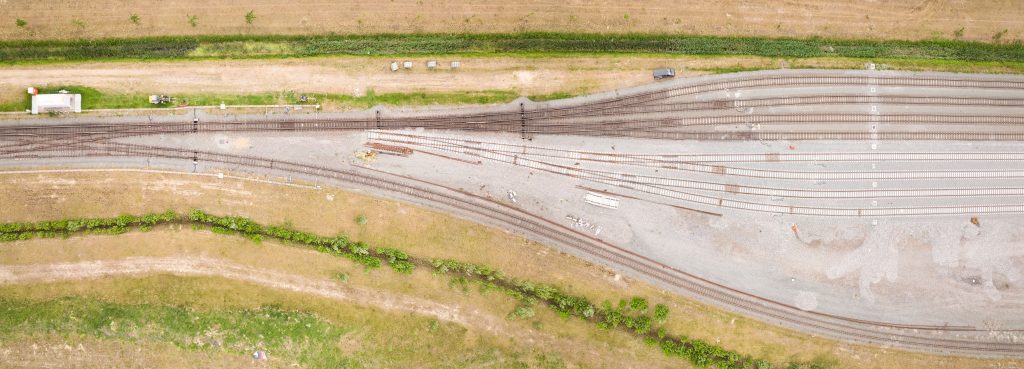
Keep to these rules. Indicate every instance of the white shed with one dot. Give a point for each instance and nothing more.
(56, 103)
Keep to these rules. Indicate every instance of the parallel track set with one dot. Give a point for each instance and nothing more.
(662, 114)
(718, 194)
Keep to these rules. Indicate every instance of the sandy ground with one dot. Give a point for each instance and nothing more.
(916, 19)
(350, 75)
(345, 75)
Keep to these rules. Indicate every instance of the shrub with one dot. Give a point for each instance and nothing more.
(398, 259)
(521, 312)
(660, 313)
(638, 304)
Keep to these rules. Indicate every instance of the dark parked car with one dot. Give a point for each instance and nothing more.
(664, 73)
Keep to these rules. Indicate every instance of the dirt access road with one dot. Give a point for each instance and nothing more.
(344, 75)
(914, 19)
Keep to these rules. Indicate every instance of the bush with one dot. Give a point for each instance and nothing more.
(638, 304)
(521, 312)
(660, 313)
(398, 259)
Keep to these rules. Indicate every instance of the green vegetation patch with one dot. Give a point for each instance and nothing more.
(554, 96)
(96, 99)
(418, 98)
(299, 336)
(248, 46)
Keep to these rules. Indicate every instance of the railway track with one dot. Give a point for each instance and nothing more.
(29, 137)
(619, 113)
(724, 195)
(735, 104)
(715, 163)
(929, 338)
(630, 115)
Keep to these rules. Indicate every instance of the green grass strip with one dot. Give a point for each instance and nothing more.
(303, 337)
(97, 99)
(256, 46)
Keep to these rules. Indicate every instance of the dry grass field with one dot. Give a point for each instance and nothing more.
(911, 19)
(420, 232)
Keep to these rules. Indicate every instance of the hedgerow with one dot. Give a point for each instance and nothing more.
(234, 46)
(628, 315)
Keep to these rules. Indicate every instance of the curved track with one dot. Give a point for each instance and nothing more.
(938, 339)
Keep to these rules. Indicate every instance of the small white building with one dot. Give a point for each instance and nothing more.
(56, 103)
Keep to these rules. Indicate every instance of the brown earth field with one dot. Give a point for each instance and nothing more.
(911, 19)
(271, 267)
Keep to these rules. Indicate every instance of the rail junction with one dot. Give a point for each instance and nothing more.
(840, 179)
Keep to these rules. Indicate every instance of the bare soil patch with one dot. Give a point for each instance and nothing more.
(344, 75)
(980, 20)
